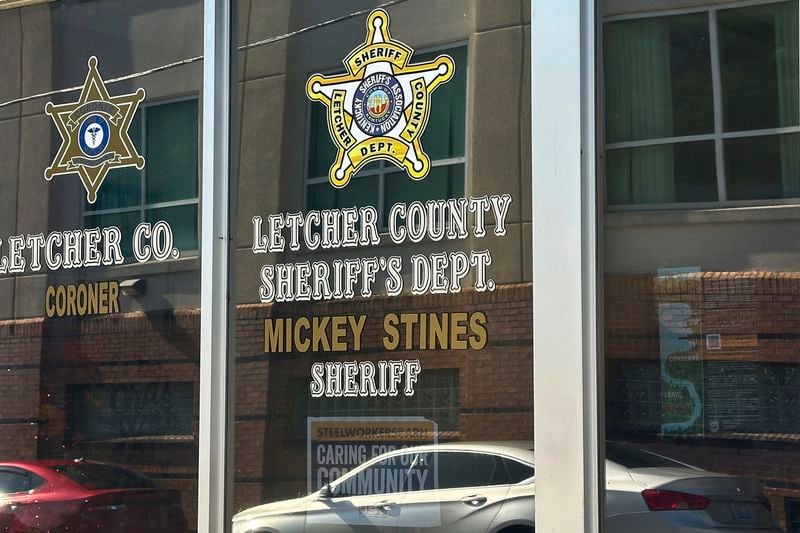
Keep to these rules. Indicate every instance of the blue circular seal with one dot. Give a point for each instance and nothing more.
(93, 136)
(378, 104)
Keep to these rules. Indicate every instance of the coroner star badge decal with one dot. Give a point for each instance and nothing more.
(380, 107)
(94, 133)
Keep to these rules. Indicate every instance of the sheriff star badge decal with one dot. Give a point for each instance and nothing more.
(94, 133)
(379, 108)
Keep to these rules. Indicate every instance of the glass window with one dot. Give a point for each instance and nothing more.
(686, 95)
(793, 515)
(763, 167)
(758, 62)
(101, 477)
(662, 174)
(134, 412)
(518, 472)
(99, 264)
(658, 73)
(336, 365)
(13, 480)
(630, 457)
(167, 188)
(461, 470)
(700, 330)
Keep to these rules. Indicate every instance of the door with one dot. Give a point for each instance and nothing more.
(464, 491)
(365, 501)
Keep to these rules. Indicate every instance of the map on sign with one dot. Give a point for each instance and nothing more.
(680, 358)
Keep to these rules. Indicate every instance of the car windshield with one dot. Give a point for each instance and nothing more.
(102, 477)
(636, 458)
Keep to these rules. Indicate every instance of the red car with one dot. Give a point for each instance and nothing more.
(64, 496)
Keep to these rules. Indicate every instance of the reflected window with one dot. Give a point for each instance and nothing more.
(381, 184)
(167, 188)
(14, 480)
(518, 472)
(461, 470)
(703, 107)
(132, 412)
(95, 476)
(793, 515)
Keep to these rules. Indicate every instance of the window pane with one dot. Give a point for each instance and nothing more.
(658, 78)
(291, 438)
(442, 183)
(321, 151)
(126, 222)
(172, 152)
(183, 220)
(90, 335)
(759, 62)
(12, 481)
(445, 135)
(362, 192)
(123, 187)
(666, 173)
(129, 412)
(518, 472)
(763, 167)
(457, 470)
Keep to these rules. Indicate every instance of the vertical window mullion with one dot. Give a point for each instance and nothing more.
(716, 79)
(143, 173)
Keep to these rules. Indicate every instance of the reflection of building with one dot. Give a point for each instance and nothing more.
(120, 388)
(479, 121)
(123, 388)
(683, 139)
(749, 383)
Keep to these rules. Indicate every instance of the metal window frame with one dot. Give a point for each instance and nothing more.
(719, 135)
(217, 189)
(567, 389)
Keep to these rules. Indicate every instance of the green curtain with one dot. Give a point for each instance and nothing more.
(788, 63)
(639, 106)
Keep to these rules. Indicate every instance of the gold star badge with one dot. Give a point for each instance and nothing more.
(380, 107)
(94, 133)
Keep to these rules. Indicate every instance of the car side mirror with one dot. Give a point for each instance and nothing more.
(326, 491)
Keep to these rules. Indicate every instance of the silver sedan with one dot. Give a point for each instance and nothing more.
(489, 487)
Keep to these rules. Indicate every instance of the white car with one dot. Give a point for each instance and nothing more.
(489, 487)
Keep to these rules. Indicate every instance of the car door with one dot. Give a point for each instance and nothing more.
(463, 491)
(364, 501)
(18, 508)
